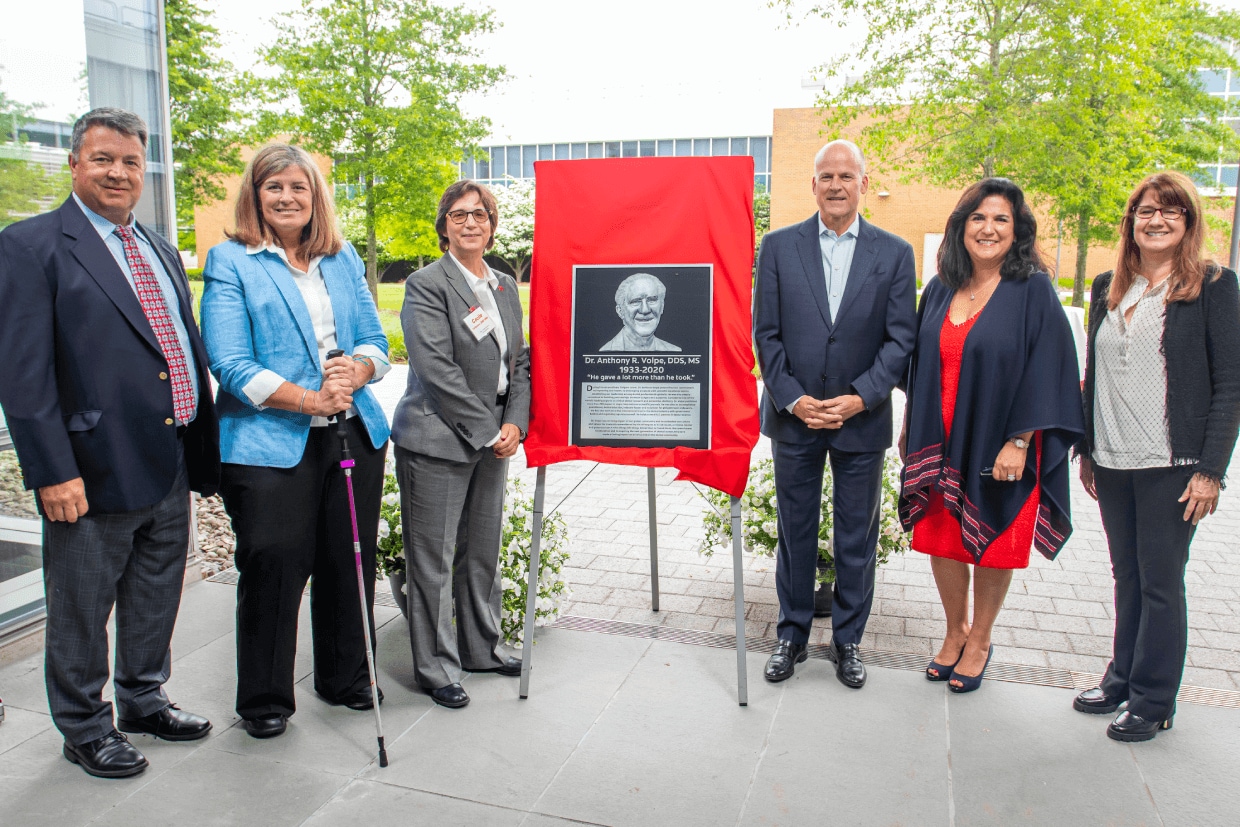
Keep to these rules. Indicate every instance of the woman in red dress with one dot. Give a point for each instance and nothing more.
(993, 407)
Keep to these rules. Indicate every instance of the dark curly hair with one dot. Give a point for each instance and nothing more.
(1022, 260)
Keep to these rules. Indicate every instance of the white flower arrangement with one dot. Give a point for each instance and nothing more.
(759, 518)
(518, 532)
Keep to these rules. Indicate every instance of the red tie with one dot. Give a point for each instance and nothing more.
(156, 310)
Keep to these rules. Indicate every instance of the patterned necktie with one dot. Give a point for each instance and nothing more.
(156, 310)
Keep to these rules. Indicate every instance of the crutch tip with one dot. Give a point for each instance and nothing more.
(383, 760)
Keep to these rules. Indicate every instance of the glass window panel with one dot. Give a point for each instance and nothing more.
(514, 161)
(628, 149)
(740, 146)
(596, 150)
(530, 154)
(761, 160)
(482, 163)
(546, 152)
(666, 148)
(646, 149)
(466, 168)
(613, 149)
(1205, 176)
(719, 146)
(1212, 81)
(684, 146)
(562, 152)
(701, 146)
(579, 151)
(1227, 176)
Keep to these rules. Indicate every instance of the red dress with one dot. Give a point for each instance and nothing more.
(938, 532)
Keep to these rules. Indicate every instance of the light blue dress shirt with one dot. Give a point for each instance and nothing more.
(837, 256)
(107, 231)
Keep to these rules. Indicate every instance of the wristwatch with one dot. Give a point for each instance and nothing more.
(1018, 442)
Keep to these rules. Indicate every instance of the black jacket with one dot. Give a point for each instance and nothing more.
(1201, 341)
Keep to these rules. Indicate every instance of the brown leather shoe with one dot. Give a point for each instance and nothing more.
(111, 756)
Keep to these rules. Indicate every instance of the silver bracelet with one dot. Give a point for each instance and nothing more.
(302, 404)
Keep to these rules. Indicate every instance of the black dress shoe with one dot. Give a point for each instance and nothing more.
(1130, 727)
(822, 600)
(511, 668)
(452, 696)
(360, 700)
(111, 756)
(1096, 702)
(780, 666)
(268, 726)
(848, 666)
(169, 723)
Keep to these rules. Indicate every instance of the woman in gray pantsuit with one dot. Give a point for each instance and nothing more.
(463, 415)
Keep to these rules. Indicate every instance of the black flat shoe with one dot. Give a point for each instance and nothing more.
(453, 696)
(1096, 702)
(848, 666)
(511, 668)
(780, 665)
(359, 700)
(1130, 728)
(268, 726)
(169, 723)
(822, 600)
(111, 756)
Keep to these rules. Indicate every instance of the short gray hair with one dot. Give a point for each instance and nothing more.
(847, 144)
(118, 120)
(622, 291)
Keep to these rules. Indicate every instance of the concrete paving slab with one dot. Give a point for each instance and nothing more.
(672, 747)
(516, 746)
(822, 753)
(20, 725)
(1021, 755)
(213, 788)
(1191, 769)
(375, 804)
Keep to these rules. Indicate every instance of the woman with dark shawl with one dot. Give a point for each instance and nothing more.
(993, 410)
(1157, 440)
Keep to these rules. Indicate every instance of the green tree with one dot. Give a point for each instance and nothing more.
(377, 84)
(761, 214)
(206, 97)
(1073, 99)
(514, 238)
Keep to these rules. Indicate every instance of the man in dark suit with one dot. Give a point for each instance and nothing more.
(834, 323)
(107, 397)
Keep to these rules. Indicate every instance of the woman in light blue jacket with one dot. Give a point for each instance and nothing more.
(284, 291)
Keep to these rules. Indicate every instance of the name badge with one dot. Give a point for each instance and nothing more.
(479, 323)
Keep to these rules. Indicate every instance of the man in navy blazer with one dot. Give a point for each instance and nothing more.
(834, 322)
(105, 389)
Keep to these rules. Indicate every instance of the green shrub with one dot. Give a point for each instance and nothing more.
(194, 273)
(396, 348)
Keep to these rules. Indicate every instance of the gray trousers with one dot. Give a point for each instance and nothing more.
(134, 561)
(452, 512)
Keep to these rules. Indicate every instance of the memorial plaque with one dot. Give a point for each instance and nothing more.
(641, 346)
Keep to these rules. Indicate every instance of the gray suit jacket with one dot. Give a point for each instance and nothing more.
(448, 410)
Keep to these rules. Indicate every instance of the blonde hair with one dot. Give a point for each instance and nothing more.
(320, 237)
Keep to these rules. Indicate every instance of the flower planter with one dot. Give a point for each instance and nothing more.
(396, 580)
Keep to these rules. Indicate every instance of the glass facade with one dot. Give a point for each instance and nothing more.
(493, 164)
(61, 58)
(1220, 178)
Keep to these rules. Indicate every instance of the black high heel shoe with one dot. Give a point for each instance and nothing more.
(1130, 727)
(939, 672)
(969, 683)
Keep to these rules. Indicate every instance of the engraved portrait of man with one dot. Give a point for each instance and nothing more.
(639, 304)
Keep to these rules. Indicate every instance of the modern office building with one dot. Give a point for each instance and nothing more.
(51, 50)
(495, 164)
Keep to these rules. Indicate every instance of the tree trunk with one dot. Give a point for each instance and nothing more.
(1082, 254)
(372, 243)
(520, 269)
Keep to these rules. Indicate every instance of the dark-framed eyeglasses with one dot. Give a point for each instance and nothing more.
(1168, 213)
(459, 216)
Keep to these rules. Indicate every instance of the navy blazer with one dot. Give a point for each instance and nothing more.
(83, 379)
(866, 349)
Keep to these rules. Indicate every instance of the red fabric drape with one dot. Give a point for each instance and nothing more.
(646, 210)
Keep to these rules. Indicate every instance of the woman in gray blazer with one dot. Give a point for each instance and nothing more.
(464, 412)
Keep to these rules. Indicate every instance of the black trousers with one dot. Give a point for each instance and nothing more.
(1148, 539)
(293, 524)
(856, 498)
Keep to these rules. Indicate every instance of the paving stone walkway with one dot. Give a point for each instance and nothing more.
(1058, 614)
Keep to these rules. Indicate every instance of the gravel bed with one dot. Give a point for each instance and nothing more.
(216, 542)
(15, 500)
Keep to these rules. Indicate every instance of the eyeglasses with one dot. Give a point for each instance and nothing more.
(459, 216)
(1168, 213)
